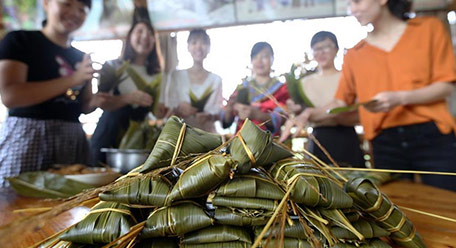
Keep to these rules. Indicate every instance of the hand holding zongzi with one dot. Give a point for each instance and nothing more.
(138, 97)
(185, 110)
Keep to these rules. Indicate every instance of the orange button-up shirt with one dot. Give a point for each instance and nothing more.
(422, 56)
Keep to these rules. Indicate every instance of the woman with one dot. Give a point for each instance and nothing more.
(195, 94)
(408, 68)
(339, 138)
(259, 98)
(45, 84)
(139, 60)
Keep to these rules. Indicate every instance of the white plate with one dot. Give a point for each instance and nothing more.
(95, 179)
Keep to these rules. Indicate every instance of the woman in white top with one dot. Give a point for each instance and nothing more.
(195, 94)
(336, 135)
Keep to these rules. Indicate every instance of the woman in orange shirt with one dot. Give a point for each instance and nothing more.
(408, 67)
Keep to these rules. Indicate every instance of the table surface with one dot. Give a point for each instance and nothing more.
(435, 232)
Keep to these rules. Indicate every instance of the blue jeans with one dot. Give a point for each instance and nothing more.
(418, 147)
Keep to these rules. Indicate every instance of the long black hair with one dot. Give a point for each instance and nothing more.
(153, 64)
(400, 8)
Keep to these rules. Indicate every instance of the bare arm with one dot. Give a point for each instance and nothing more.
(16, 92)
(429, 94)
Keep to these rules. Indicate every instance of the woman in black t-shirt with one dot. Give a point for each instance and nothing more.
(45, 84)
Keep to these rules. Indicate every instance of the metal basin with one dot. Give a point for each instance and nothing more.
(125, 159)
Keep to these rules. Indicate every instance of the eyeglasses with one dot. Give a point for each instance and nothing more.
(322, 49)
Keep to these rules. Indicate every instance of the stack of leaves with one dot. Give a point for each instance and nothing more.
(200, 102)
(254, 147)
(105, 222)
(246, 199)
(371, 201)
(218, 236)
(140, 135)
(296, 203)
(46, 185)
(178, 139)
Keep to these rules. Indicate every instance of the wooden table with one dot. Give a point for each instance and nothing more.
(436, 233)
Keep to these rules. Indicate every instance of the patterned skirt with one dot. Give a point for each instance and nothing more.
(30, 145)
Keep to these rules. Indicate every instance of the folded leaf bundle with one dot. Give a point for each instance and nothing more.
(254, 147)
(152, 88)
(158, 243)
(233, 244)
(46, 185)
(218, 234)
(140, 135)
(201, 177)
(295, 89)
(241, 217)
(105, 222)
(374, 203)
(296, 230)
(287, 243)
(193, 140)
(134, 137)
(251, 191)
(111, 75)
(175, 220)
(312, 188)
(242, 96)
(367, 228)
(200, 102)
(147, 190)
(373, 243)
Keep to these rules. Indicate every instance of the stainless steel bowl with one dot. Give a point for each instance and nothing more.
(125, 159)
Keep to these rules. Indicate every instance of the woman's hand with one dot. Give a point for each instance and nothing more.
(138, 97)
(243, 111)
(293, 107)
(300, 121)
(84, 71)
(203, 117)
(386, 101)
(101, 100)
(185, 110)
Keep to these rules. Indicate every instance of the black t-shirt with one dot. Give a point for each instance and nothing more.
(45, 60)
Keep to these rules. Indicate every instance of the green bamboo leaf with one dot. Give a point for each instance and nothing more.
(195, 141)
(46, 185)
(202, 177)
(217, 234)
(175, 220)
(148, 191)
(234, 244)
(158, 243)
(369, 199)
(296, 230)
(366, 228)
(241, 217)
(339, 219)
(105, 222)
(258, 146)
(200, 103)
